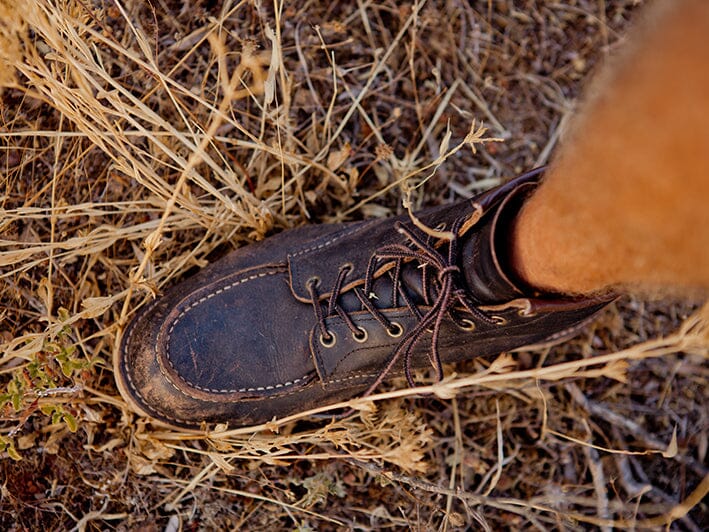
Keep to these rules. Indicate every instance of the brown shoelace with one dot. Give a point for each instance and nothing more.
(442, 291)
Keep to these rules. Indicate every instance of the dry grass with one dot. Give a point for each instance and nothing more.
(139, 140)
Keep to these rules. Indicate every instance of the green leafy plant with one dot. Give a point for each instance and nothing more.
(57, 369)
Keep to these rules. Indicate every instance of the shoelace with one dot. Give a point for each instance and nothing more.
(442, 294)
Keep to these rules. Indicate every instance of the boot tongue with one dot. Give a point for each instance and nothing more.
(482, 254)
(485, 252)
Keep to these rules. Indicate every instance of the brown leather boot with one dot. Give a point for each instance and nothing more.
(320, 314)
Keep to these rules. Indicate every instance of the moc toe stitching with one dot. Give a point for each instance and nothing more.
(176, 374)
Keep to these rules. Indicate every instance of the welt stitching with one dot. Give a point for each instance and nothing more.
(161, 414)
(157, 413)
(136, 391)
(298, 390)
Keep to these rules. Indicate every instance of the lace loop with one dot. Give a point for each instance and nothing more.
(325, 335)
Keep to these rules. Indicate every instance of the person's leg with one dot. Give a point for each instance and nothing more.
(626, 201)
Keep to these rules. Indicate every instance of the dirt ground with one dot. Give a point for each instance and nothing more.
(140, 140)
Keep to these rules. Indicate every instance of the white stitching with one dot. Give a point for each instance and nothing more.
(570, 330)
(160, 414)
(345, 232)
(352, 377)
(256, 389)
(156, 413)
(216, 293)
(295, 270)
(199, 302)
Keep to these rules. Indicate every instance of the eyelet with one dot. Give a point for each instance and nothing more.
(328, 343)
(362, 337)
(395, 329)
(347, 266)
(314, 280)
(499, 320)
(466, 324)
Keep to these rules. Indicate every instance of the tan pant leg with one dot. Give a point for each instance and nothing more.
(626, 201)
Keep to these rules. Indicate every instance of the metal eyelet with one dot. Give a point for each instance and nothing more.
(328, 343)
(466, 324)
(314, 281)
(395, 329)
(347, 266)
(499, 320)
(361, 336)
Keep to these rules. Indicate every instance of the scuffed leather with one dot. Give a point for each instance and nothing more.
(238, 343)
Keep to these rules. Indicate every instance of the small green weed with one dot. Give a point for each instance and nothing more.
(37, 386)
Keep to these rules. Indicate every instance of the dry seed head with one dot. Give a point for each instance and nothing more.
(383, 152)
